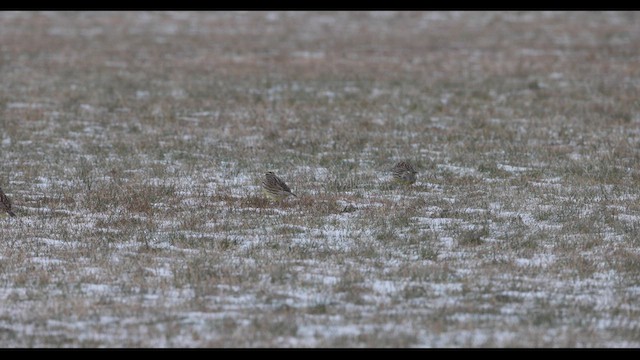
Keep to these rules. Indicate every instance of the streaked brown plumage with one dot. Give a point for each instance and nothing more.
(404, 173)
(5, 203)
(274, 187)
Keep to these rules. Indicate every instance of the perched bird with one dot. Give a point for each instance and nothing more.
(5, 203)
(404, 173)
(274, 187)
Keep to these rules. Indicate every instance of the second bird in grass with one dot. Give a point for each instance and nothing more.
(274, 187)
(5, 203)
(404, 173)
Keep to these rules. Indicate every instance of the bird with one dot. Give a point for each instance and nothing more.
(404, 173)
(274, 188)
(5, 203)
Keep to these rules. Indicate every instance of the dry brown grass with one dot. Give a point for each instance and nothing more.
(133, 145)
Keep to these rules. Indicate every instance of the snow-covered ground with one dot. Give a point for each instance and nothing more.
(133, 146)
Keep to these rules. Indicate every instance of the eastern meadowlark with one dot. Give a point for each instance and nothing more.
(5, 203)
(404, 173)
(274, 187)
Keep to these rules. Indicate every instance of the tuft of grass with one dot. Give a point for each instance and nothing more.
(473, 237)
(492, 170)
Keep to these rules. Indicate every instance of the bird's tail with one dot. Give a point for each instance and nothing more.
(11, 213)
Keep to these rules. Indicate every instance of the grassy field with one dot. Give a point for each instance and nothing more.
(133, 146)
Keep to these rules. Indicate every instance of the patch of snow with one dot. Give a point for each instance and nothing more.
(385, 286)
(539, 260)
(309, 55)
(458, 169)
(272, 16)
(21, 105)
(513, 169)
(46, 260)
(577, 156)
(96, 288)
(629, 218)
(435, 223)
(556, 76)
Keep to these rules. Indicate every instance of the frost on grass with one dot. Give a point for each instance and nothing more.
(136, 179)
